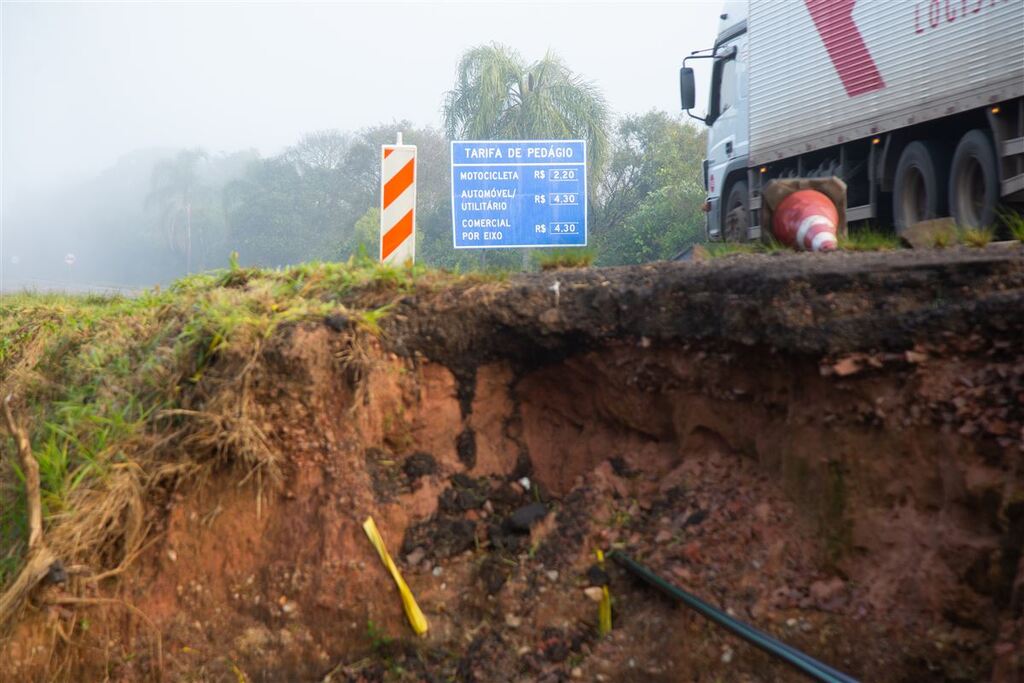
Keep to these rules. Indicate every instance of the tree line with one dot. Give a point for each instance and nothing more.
(318, 199)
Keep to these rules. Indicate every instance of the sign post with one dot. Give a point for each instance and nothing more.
(69, 260)
(519, 193)
(398, 203)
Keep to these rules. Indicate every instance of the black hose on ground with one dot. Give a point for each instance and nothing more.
(802, 662)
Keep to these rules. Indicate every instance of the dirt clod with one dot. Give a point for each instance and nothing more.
(419, 464)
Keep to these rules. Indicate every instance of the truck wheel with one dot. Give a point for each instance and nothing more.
(736, 213)
(918, 184)
(974, 181)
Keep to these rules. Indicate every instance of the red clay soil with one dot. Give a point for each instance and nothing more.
(827, 448)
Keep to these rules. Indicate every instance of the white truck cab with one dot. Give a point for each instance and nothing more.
(725, 168)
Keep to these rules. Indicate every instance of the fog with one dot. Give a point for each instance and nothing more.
(93, 95)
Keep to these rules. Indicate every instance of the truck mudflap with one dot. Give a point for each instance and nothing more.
(712, 222)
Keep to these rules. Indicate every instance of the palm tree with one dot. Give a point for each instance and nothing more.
(497, 96)
(174, 186)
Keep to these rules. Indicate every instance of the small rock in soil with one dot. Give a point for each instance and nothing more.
(595, 593)
(414, 558)
(696, 518)
(682, 573)
(523, 518)
(825, 590)
(620, 467)
(762, 512)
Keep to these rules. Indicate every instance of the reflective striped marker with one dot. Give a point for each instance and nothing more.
(398, 203)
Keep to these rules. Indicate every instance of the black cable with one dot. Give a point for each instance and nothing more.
(795, 658)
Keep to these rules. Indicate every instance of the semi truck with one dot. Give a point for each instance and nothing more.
(917, 105)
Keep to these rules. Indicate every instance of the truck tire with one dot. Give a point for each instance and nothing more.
(918, 185)
(974, 181)
(736, 213)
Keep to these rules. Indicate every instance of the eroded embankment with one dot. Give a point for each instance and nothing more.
(828, 447)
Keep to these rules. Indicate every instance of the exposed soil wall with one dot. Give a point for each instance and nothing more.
(827, 447)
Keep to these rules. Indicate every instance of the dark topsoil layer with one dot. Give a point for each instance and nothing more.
(798, 303)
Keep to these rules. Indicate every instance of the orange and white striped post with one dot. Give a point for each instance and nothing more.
(398, 203)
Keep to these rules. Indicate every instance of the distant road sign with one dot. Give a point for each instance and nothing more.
(519, 193)
(69, 259)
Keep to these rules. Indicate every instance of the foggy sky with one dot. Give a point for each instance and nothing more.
(83, 83)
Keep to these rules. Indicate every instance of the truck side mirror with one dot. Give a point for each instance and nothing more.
(687, 89)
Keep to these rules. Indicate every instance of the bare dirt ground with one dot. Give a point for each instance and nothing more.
(826, 446)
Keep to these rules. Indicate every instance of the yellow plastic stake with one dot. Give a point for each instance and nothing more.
(604, 609)
(412, 610)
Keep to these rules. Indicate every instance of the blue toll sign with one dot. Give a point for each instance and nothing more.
(519, 193)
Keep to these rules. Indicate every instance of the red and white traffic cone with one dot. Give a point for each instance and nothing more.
(806, 220)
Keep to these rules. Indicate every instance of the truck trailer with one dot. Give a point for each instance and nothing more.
(917, 105)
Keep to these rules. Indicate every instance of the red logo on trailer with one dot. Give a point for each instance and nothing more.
(845, 45)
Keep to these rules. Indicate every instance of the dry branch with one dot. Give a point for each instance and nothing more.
(31, 470)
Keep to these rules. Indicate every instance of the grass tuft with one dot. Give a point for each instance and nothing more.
(869, 239)
(1014, 221)
(943, 239)
(570, 257)
(977, 237)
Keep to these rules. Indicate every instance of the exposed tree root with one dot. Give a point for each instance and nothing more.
(36, 569)
(31, 470)
(40, 558)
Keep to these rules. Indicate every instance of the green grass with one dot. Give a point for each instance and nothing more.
(1014, 221)
(870, 239)
(94, 377)
(569, 257)
(722, 249)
